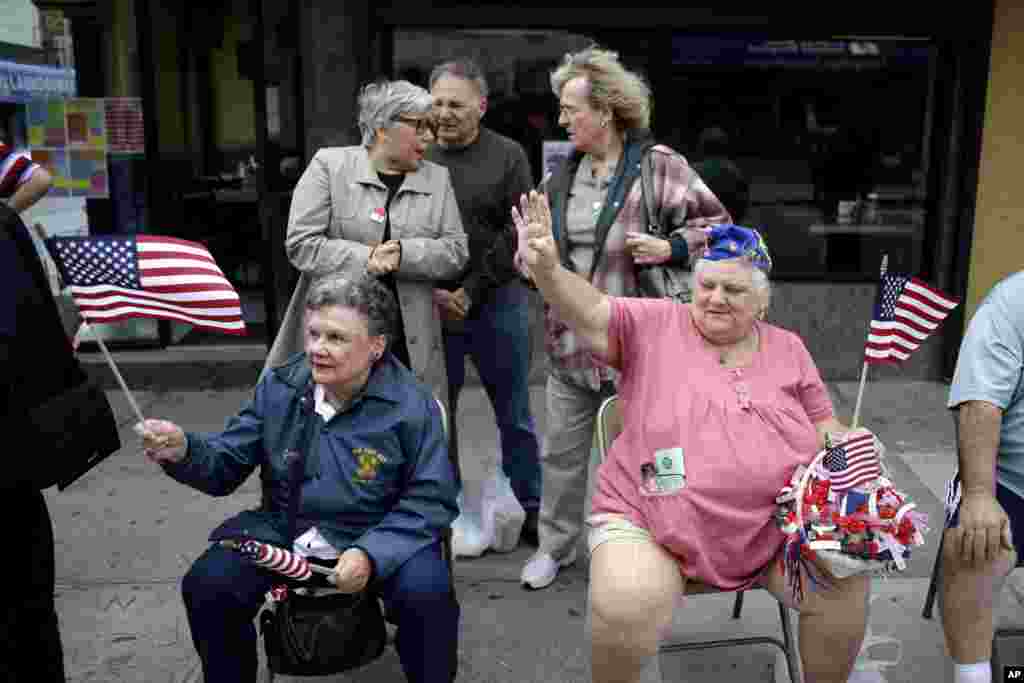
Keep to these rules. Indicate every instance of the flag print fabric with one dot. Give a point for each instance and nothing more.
(115, 277)
(843, 512)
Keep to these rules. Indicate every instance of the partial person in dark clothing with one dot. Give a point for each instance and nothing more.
(486, 309)
(720, 173)
(36, 362)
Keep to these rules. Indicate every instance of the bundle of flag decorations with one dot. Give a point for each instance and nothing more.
(906, 312)
(115, 277)
(851, 517)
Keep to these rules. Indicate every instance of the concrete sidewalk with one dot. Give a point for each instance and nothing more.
(126, 534)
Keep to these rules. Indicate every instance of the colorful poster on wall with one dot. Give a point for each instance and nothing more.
(87, 173)
(46, 124)
(125, 131)
(86, 123)
(56, 162)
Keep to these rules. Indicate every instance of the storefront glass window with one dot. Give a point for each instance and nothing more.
(832, 136)
(821, 144)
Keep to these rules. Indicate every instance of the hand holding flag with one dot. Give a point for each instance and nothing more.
(116, 277)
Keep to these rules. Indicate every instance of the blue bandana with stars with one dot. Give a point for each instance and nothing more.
(734, 241)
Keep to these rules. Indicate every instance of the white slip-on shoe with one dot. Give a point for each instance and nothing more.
(542, 569)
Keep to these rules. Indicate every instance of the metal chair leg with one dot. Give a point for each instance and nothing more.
(738, 605)
(933, 586)
(792, 661)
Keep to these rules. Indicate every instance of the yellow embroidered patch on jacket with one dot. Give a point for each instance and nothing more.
(369, 461)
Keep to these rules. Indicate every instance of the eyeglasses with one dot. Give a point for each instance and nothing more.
(421, 125)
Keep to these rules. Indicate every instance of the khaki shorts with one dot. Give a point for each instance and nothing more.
(611, 527)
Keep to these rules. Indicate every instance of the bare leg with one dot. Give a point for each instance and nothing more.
(832, 624)
(967, 603)
(634, 587)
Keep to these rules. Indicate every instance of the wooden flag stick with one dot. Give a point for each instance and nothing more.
(860, 395)
(864, 370)
(117, 373)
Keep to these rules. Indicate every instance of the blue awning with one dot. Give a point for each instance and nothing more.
(27, 82)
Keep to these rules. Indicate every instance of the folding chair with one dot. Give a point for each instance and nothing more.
(446, 540)
(609, 425)
(933, 589)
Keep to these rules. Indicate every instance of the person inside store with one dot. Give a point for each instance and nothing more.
(486, 308)
(378, 491)
(720, 172)
(600, 219)
(983, 539)
(31, 336)
(379, 207)
(719, 408)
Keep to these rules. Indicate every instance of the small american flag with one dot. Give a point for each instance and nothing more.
(116, 277)
(852, 463)
(906, 312)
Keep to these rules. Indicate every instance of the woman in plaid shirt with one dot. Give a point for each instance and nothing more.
(599, 223)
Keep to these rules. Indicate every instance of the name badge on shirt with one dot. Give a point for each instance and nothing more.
(377, 215)
(665, 475)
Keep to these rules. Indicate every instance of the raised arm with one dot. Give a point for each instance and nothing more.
(581, 305)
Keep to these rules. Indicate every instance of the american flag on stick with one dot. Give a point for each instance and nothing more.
(906, 312)
(853, 462)
(114, 277)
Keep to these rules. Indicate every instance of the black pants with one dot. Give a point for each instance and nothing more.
(29, 633)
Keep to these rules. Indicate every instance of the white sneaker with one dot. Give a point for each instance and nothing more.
(542, 569)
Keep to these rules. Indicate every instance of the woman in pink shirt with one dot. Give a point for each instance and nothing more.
(719, 409)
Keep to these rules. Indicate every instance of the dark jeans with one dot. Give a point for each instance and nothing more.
(223, 593)
(30, 645)
(497, 338)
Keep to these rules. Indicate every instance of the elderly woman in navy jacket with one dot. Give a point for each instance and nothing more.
(378, 488)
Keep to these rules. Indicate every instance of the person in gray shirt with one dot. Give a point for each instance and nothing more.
(486, 309)
(985, 501)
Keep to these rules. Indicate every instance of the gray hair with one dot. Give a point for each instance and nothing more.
(762, 284)
(625, 93)
(466, 69)
(368, 296)
(381, 103)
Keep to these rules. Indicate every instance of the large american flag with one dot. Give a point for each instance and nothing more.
(906, 312)
(114, 277)
(853, 462)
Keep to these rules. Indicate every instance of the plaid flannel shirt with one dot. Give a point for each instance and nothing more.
(685, 201)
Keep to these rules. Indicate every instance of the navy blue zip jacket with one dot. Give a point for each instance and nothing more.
(377, 477)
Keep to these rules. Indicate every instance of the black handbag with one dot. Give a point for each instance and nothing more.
(77, 427)
(662, 280)
(317, 635)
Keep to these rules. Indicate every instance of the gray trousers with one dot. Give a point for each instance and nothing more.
(566, 462)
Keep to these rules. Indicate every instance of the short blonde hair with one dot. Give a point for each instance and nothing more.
(612, 86)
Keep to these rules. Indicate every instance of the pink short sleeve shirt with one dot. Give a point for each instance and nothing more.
(706, 449)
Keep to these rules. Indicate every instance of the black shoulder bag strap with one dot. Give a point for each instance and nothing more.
(654, 225)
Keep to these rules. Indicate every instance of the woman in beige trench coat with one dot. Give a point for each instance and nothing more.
(379, 207)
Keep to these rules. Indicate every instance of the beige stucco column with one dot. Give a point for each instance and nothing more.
(998, 244)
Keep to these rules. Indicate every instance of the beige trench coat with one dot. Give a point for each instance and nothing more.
(331, 229)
